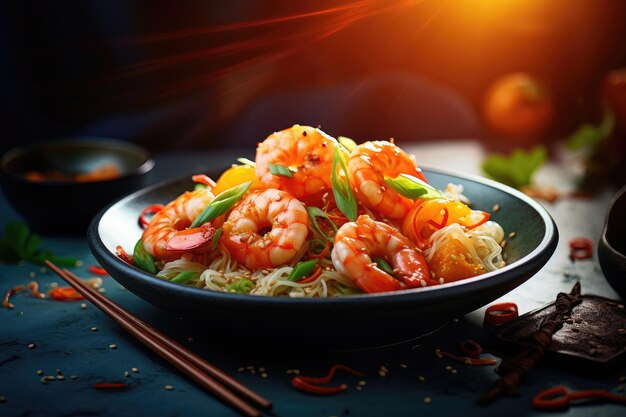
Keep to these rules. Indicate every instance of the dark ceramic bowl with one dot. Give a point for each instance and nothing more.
(346, 322)
(66, 206)
(612, 245)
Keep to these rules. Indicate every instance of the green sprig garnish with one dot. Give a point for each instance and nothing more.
(241, 286)
(589, 135)
(280, 170)
(19, 244)
(185, 276)
(516, 170)
(221, 204)
(143, 259)
(216, 238)
(344, 197)
(314, 213)
(347, 143)
(384, 265)
(302, 269)
(246, 161)
(413, 188)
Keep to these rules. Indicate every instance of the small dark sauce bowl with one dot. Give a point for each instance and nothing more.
(62, 207)
(612, 245)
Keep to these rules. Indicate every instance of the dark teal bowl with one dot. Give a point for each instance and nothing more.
(336, 323)
(612, 245)
(67, 207)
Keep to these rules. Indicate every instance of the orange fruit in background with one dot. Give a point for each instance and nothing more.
(517, 105)
(614, 90)
(235, 175)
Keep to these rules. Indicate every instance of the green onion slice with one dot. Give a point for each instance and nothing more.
(347, 143)
(280, 170)
(317, 246)
(241, 286)
(216, 238)
(143, 259)
(344, 197)
(314, 213)
(302, 269)
(413, 188)
(384, 265)
(185, 276)
(221, 204)
(246, 161)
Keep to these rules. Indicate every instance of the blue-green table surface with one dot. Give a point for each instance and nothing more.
(64, 341)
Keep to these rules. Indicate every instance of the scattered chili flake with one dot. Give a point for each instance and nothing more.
(203, 179)
(312, 384)
(463, 359)
(580, 248)
(149, 212)
(6, 303)
(97, 270)
(500, 313)
(33, 286)
(110, 385)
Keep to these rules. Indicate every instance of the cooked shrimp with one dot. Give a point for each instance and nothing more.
(369, 164)
(307, 152)
(356, 243)
(167, 236)
(265, 229)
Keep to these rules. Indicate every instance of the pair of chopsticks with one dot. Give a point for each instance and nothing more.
(212, 379)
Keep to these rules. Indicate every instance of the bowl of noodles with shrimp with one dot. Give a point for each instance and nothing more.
(323, 242)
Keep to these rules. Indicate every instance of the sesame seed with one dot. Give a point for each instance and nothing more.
(44, 380)
(448, 368)
(277, 197)
(249, 367)
(428, 400)
(495, 208)
(3, 399)
(32, 274)
(403, 365)
(60, 377)
(359, 388)
(384, 368)
(73, 377)
(441, 280)
(58, 371)
(512, 235)
(53, 284)
(621, 331)
(382, 373)
(264, 375)
(453, 371)
(102, 290)
(113, 346)
(453, 257)
(40, 372)
(42, 270)
(241, 369)
(362, 383)
(94, 329)
(134, 370)
(423, 282)
(620, 306)
(79, 263)
(421, 378)
(190, 339)
(31, 346)
(169, 387)
(83, 306)
(261, 369)
(503, 244)
(253, 372)
(126, 374)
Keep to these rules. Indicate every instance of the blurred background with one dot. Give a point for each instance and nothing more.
(206, 75)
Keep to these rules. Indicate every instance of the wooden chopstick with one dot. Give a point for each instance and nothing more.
(185, 360)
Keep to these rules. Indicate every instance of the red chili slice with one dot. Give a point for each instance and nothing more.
(580, 248)
(33, 286)
(500, 313)
(65, 294)
(470, 348)
(97, 270)
(203, 179)
(7, 296)
(110, 385)
(149, 211)
(444, 220)
(121, 253)
(312, 384)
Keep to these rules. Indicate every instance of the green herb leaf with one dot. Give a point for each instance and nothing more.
(185, 276)
(18, 244)
(589, 135)
(347, 143)
(317, 246)
(143, 259)
(221, 204)
(302, 269)
(413, 188)
(280, 170)
(216, 238)
(344, 197)
(241, 286)
(517, 169)
(246, 161)
(384, 265)
(314, 213)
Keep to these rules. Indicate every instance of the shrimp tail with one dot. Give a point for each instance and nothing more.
(192, 238)
(413, 269)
